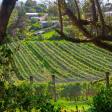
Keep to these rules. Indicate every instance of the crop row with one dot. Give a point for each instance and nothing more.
(67, 61)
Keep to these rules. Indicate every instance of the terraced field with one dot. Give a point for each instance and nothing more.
(66, 60)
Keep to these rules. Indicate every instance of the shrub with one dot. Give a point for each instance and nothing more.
(102, 102)
(25, 97)
(36, 26)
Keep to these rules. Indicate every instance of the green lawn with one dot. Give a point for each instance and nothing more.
(49, 34)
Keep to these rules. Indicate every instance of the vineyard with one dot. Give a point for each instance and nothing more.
(67, 61)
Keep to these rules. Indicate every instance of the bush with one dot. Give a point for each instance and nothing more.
(35, 26)
(102, 102)
(25, 97)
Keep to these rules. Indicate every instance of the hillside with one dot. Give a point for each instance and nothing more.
(68, 61)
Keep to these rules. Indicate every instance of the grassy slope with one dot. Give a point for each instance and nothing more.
(68, 61)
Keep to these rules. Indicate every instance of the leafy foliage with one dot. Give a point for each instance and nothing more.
(24, 97)
(103, 101)
(35, 26)
(5, 62)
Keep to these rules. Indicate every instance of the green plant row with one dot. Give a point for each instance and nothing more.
(66, 60)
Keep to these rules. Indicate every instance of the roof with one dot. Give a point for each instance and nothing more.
(31, 14)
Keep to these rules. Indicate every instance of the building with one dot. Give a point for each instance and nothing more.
(30, 15)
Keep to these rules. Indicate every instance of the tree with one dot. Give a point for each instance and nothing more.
(74, 6)
(30, 6)
(60, 16)
(81, 24)
(7, 7)
(41, 8)
(52, 9)
(17, 20)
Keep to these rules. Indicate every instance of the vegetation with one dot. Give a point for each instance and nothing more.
(104, 99)
(61, 58)
(55, 56)
(25, 97)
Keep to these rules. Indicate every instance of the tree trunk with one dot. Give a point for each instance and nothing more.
(101, 17)
(60, 16)
(78, 10)
(93, 8)
(7, 7)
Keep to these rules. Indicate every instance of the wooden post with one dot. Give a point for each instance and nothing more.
(54, 88)
(107, 79)
(31, 79)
